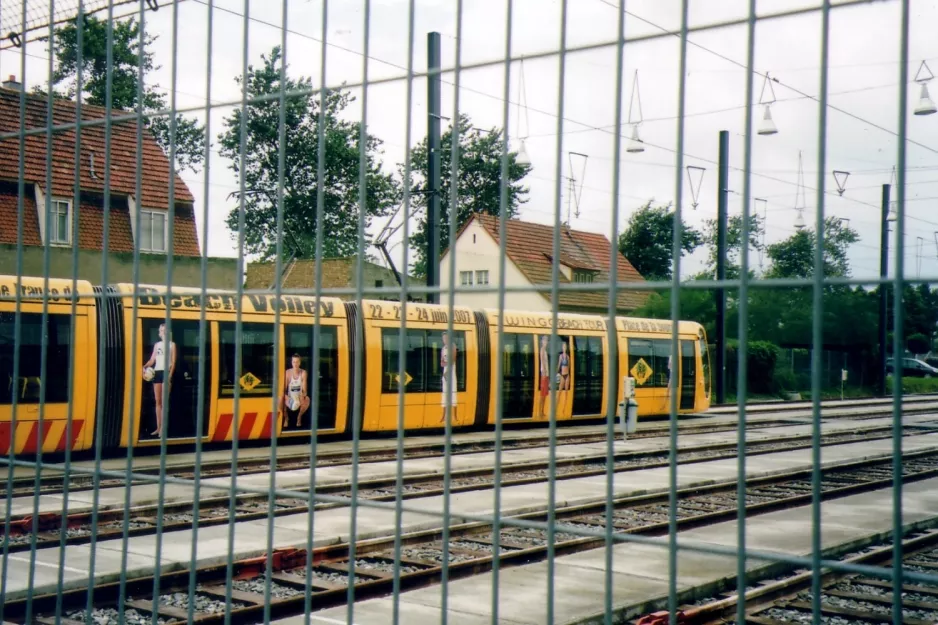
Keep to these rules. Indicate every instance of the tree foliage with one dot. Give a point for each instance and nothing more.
(479, 182)
(127, 57)
(785, 317)
(260, 173)
(647, 241)
(794, 257)
(761, 357)
(918, 343)
(920, 305)
(696, 305)
(734, 240)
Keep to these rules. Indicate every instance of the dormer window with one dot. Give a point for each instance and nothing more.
(582, 276)
(59, 221)
(152, 229)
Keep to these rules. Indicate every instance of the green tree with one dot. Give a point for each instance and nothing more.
(479, 181)
(734, 236)
(920, 305)
(794, 257)
(647, 242)
(126, 58)
(918, 343)
(304, 113)
(696, 305)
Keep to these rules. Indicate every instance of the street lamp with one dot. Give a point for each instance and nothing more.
(799, 220)
(799, 196)
(925, 104)
(767, 127)
(523, 158)
(636, 145)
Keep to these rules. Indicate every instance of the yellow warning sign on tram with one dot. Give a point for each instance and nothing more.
(641, 371)
(249, 381)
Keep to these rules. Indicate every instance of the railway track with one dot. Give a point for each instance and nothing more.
(214, 510)
(296, 456)
(845, 598)
(327, 572)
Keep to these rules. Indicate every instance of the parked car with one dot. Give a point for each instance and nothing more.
(913, 368)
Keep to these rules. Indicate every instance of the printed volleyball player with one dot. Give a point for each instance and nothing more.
(544, 380)
(563, 375)
(158, 362)
(294, 399)
(448, 367)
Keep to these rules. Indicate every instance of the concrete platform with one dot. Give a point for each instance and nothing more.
(795, 412)
(332, 526)
(640, 573)
(148, 494)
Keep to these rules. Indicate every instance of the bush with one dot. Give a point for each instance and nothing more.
(785, 380)
(914, 385)
(760, 365)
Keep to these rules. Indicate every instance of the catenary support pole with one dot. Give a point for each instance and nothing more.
(722, 190)
(883, 270)
(433, 167)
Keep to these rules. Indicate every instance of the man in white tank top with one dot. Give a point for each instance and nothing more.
(159, 363)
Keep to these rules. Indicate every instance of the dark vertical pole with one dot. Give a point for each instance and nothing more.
(883, 271)
(722, 188)
(433, 167)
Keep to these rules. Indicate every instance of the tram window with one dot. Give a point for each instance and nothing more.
(422, 361)
(300, 341)
(652, 371)
(58, 332)
(519, 375)
(257, 359)
(415, 342)
(705, 360)
(588, 356)
(434, 371)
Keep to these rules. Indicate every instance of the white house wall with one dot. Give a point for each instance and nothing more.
(483, 254)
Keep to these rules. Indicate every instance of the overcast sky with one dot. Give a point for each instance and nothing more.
(861, 136)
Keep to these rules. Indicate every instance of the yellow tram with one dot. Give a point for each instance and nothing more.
(102, 376)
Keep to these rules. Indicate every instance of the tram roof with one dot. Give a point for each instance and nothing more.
(578, 321)
(33, 288)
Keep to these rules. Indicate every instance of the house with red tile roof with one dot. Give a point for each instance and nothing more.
(584, 258)
(79, 220)
(337, 273)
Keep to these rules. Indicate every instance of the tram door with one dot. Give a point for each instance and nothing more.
(299, 340)
(184, 391)
(688, 375)
(649, 364)
(588, 376)
(519, 376)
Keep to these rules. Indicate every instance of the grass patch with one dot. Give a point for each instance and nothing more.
(850, 392)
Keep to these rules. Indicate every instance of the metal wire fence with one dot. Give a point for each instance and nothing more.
(101, 568)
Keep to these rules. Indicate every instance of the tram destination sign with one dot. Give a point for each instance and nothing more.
(262, 304)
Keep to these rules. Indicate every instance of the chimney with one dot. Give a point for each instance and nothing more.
(12, 84)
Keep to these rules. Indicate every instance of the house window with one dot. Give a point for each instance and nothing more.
(582, 276)
(465, 278)
(379, 284)
(152, 231)
(482, 277)
(59, 220)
